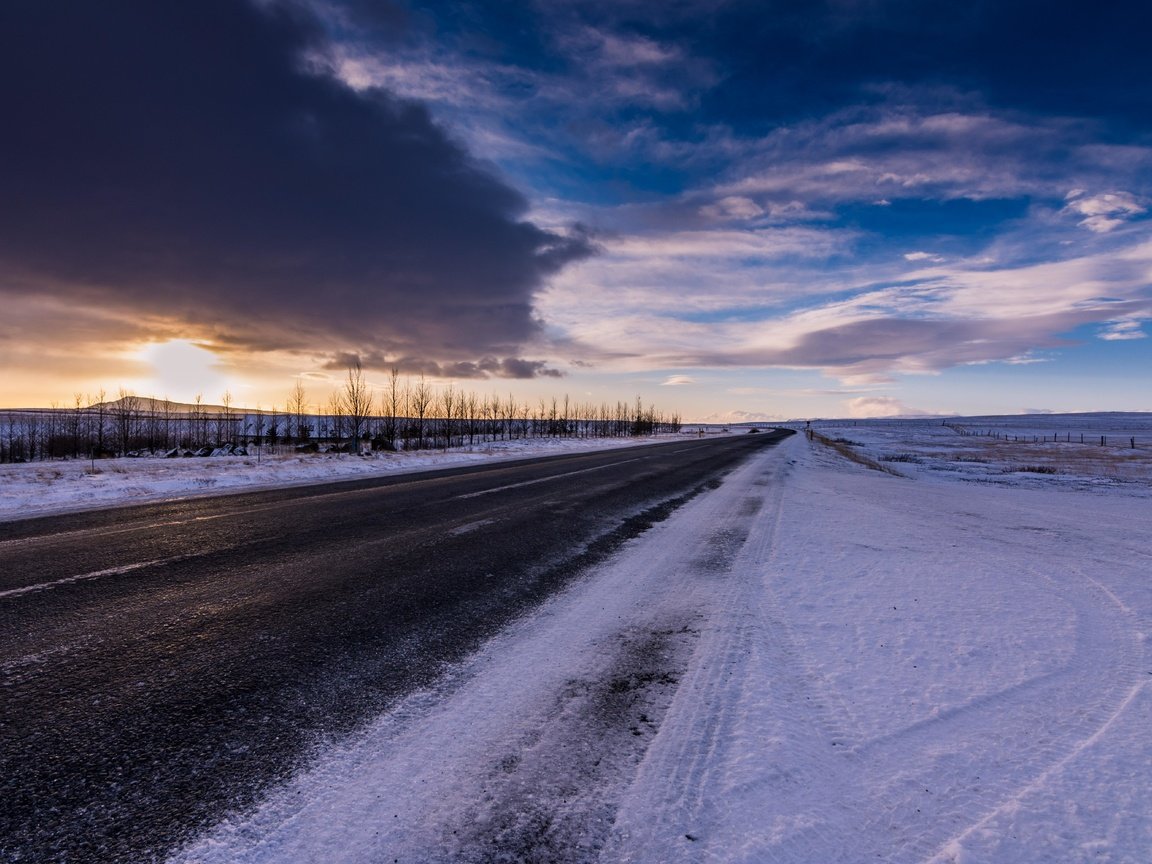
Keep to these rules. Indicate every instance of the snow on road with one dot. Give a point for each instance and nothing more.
(814, 662)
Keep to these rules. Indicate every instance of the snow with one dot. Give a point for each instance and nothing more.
(42, 488)
(1007, 451)
(814, 662)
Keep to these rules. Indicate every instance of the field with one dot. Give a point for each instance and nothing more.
(1039, 451)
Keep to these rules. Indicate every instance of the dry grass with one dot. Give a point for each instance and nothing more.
(844, 448)
(1086, 460)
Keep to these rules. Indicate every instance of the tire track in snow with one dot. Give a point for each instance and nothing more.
(953, 851)
(834, 794)
(545, 798)
(672, 799)
(1015, 732)
(831, 789)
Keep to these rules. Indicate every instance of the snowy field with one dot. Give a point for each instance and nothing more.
(41, 488)
(815, 662)
(1037, 451)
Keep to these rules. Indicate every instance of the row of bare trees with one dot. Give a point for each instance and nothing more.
(94, 426)
(403, 414)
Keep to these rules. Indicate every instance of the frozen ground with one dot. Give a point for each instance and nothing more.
(39, 488)
(814, 662)
(1037, 451)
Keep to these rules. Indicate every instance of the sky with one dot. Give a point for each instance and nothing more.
(734, 210)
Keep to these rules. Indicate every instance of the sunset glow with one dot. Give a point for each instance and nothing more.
(181, 370)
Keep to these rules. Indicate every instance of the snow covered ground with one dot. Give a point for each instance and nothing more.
(813, 662)
(1037, 451)
(40, 488)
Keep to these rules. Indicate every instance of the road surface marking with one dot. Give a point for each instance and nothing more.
(95, 574)
(542, 480)
(469, 527)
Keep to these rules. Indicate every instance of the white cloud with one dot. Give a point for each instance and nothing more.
(922, 256)
(882, 154)
(677, 381)
(738, 416)
(863, 333)
(733, 207)
(758, 244)
(880, 406)
(1103, 212)
(1123, 330)
(631, 69)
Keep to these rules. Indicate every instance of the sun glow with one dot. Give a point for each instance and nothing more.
(180, 370)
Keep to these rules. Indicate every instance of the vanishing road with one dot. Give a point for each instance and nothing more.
(163, 663)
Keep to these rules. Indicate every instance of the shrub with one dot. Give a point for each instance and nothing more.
(1032, 469)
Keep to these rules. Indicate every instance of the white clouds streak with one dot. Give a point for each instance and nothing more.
(880, 406)
(1105, 211)
(933, 319)
(894, 152)
(1125, 329)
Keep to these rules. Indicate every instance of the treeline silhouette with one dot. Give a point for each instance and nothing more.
(404, 414)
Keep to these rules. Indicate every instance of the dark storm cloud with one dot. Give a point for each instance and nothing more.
(189, 160)
(487, 367)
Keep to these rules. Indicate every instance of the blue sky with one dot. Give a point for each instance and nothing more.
(736, 210)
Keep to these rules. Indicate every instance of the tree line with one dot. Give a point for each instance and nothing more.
(404, 414)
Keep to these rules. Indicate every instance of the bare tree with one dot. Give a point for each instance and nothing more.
(390, 400)
(471, 412)
(100, 408)
(259, 420)
(447, 409)
(274, 426)
(168, 412)
(199, 422)
(335, 427)
(356, 403)
(420, 402)
(125, 413)
(226, 420)
(297, 409)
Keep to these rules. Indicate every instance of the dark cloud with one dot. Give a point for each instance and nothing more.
(876, 348)
(189, 161)
(487, 367)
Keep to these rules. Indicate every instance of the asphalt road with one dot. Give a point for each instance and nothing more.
(164, 663)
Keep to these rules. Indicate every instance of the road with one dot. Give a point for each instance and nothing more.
(164, 663)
